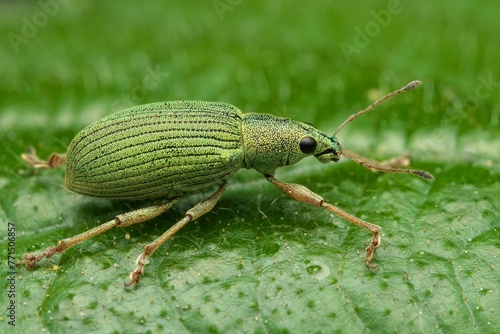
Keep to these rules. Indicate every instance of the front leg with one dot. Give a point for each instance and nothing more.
(303, 194)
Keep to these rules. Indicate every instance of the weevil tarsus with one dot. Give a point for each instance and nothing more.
(194, 213)
(55, 160)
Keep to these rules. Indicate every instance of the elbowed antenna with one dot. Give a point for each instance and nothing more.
(409, 86)
(420, 173)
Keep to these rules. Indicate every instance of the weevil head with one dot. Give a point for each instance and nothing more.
(270, 142)
(313, 142)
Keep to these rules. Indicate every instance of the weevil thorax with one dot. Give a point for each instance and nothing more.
(270, 142)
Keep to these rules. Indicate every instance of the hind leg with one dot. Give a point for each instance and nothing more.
(55, 160)
(123, 220)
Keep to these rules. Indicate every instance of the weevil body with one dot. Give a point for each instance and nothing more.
(170, 149)
(164, 150)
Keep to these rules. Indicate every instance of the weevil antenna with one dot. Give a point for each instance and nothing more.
(420, 173)
(351, 118)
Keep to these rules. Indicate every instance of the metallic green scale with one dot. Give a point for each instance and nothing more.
(163, 150)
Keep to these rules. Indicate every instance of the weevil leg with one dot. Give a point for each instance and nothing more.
(303, 194)
(402, 160)
(123, 220)
(55, 160)
(194, 213)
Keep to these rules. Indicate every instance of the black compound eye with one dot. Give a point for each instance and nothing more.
(308, 145)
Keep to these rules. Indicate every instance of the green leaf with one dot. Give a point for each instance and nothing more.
(261, 262)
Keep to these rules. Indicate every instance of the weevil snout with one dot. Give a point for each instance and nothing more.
(332, 153)
(328, 155)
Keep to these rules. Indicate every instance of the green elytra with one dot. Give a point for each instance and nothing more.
(169, 149)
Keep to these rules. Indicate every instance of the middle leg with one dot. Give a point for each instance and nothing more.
(194, 213)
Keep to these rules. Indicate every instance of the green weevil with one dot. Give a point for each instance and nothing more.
(171, 149)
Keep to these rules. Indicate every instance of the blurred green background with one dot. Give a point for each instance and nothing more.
(261, 262)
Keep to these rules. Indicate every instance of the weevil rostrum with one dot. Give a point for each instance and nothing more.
(170, 149)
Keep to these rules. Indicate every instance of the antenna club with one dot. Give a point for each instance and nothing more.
(412, 85)
(423, 174)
